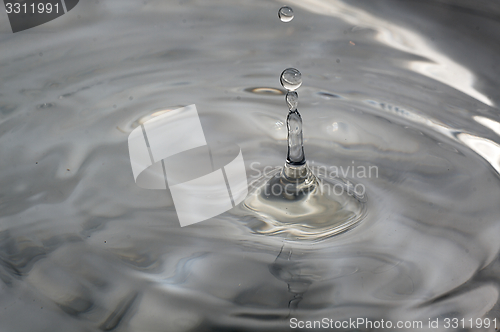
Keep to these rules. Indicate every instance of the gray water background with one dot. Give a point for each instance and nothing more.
(408, 86)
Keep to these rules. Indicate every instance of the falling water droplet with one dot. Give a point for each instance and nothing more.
(285, 14)
(292, 100)
(291, 79)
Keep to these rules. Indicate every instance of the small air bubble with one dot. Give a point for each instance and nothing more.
(285, 14)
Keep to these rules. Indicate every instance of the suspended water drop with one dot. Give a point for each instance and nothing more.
(291, 79)
(294, 202)
(292, 100)
(285, 14)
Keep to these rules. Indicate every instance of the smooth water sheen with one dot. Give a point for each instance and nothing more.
(408, 87)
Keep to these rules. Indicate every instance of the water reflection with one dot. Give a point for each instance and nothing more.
(432, 63)
(82, 248)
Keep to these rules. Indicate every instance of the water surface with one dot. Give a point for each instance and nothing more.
(402, 86)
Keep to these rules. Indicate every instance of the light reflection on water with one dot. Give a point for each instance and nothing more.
(431, 63)
(82, 248)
